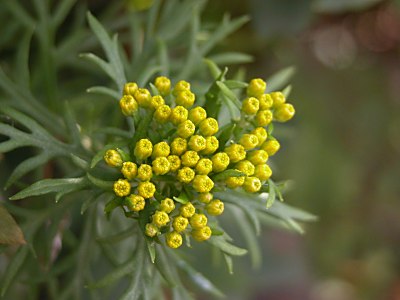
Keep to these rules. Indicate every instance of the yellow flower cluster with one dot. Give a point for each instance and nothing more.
(185, 157)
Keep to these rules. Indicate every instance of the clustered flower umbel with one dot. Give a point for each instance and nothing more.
(190, 156)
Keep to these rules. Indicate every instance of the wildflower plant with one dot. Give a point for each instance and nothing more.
(168, 158)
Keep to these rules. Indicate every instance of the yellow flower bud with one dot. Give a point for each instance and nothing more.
(162, 114)
(266, 101)
(160, 218)
(173, 239)
(178, 115)
(186, 129)
(256, 87)
(163, 85)
(185, 175)
(234, 182)
(284, 112)
(144, 172)
(212, 145)
(197, 143)
(143, 149)
(143, 97)
(185, 98)
(198, 221)
(178, 146)
(271, 147)
(235, 152)
(146, 189)
(202, 234)
(197, 114)
(180, 86)
(263, 172)
(190, 158)
(135, 202)
(122, 187)
(130, 88)
(129, 170)
(180, 223)
(250, 106)
(175, 162)
(156, 101)
(209, 127)
(258, 157)
(264, 117)
(278, 99)
(203, 183)
(220, 161)
(215, 207)
(205, 197)
(128, 105)
(246, 167)
(252, 184)
(151, 230)
(249, 141)
(261, 134)
(113, 158)
(161, 149)
(204, 166)
(161, 165)
(187, 210)
(167, 205)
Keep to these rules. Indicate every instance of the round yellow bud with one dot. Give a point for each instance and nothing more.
(185, 175)
(162, 114)
(256, 87)
(220, 161)
(187, 210)
(178, 115)
(252, 184)
(185, 98)
(197, 114)
(130, 88)
(190, 158)
(204, 166)
(266, 101)
(160, 218)
(163, 85)
(197, 143)
(161, 149)
(264, 117)
(235, 152)
(143, 97)
(205, 197)
(173, 239)
(180, 86)
(128, 105)
(122, 187)
(151, 230)
(215, 207)
(175, 162)
(234, 182)
(245, 167)
(250, 106)
(249, 141)
(261, 134)
(271, 147)
(144, 172)
(202, 183)
(180, 223)
(143, 149)
(202, 234)
(146, 189)
(135, 202)
(198, 221)
(156, 101)
(263, 172)
(178, 146)
(278, 99)
(258, 157)
(161, 165)
(167, 205)
(186, 129)
(113, 158)
(209, 127)
(129, 170)
(284, 112)
(212, 145)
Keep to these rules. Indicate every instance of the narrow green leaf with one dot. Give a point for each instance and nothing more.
(91, 200)
(61, 12)
(10, 232)
(164, 266)
(133, 291)
(214, 69)
(182, 198)
(106, 67)
(226, 174)
(271, 194)
(286, 91)
(229, 94)
(103, 184)
(79, 162)
(152, 249)
(285, 211)
(72, 125)
(22, 60)
(228, 58)
(224, 246)
(225, 134)
(295, 226)
(235, 84)
(229, 262)
(104, 91)
(280, 79)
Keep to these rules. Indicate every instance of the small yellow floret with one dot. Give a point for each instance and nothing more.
(160, 218)
(284, 112)
(144, 172)
(250, 106)
(128, 105)
(161, 149)
(197, 143)
(197, 114)
(212, 145)
(143, 149)
(278, 99)
(173, 239)
(178, 115)
(161, 165)
(187, 210)
(162, 114)
(205, 197)
(245, 167)
(156, 101)
(256, 87)
(264, 117)
(167, 205)
(185, 98)
(203, 183)
(180, 223)
(215, 207)
(258, 157)
(190, 158)
(204, 166)
(163, 85)
(178, 146)
(209, 127)
(180, 86)
(146, 189)
(235, 152)
(252, 184)
(220, 161)
(186, 129)
(135, 202)
(151, 230)
(263, 172)
(175, 162)
(202, 234)
(271, 147)
(143, 97)
(122, 187)
(113, 158)
(249, 141)
(129, 170)
(185, 175)
(130, 88)
(198, 221)
(261, 134)
(234, 182)
(266, 101)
